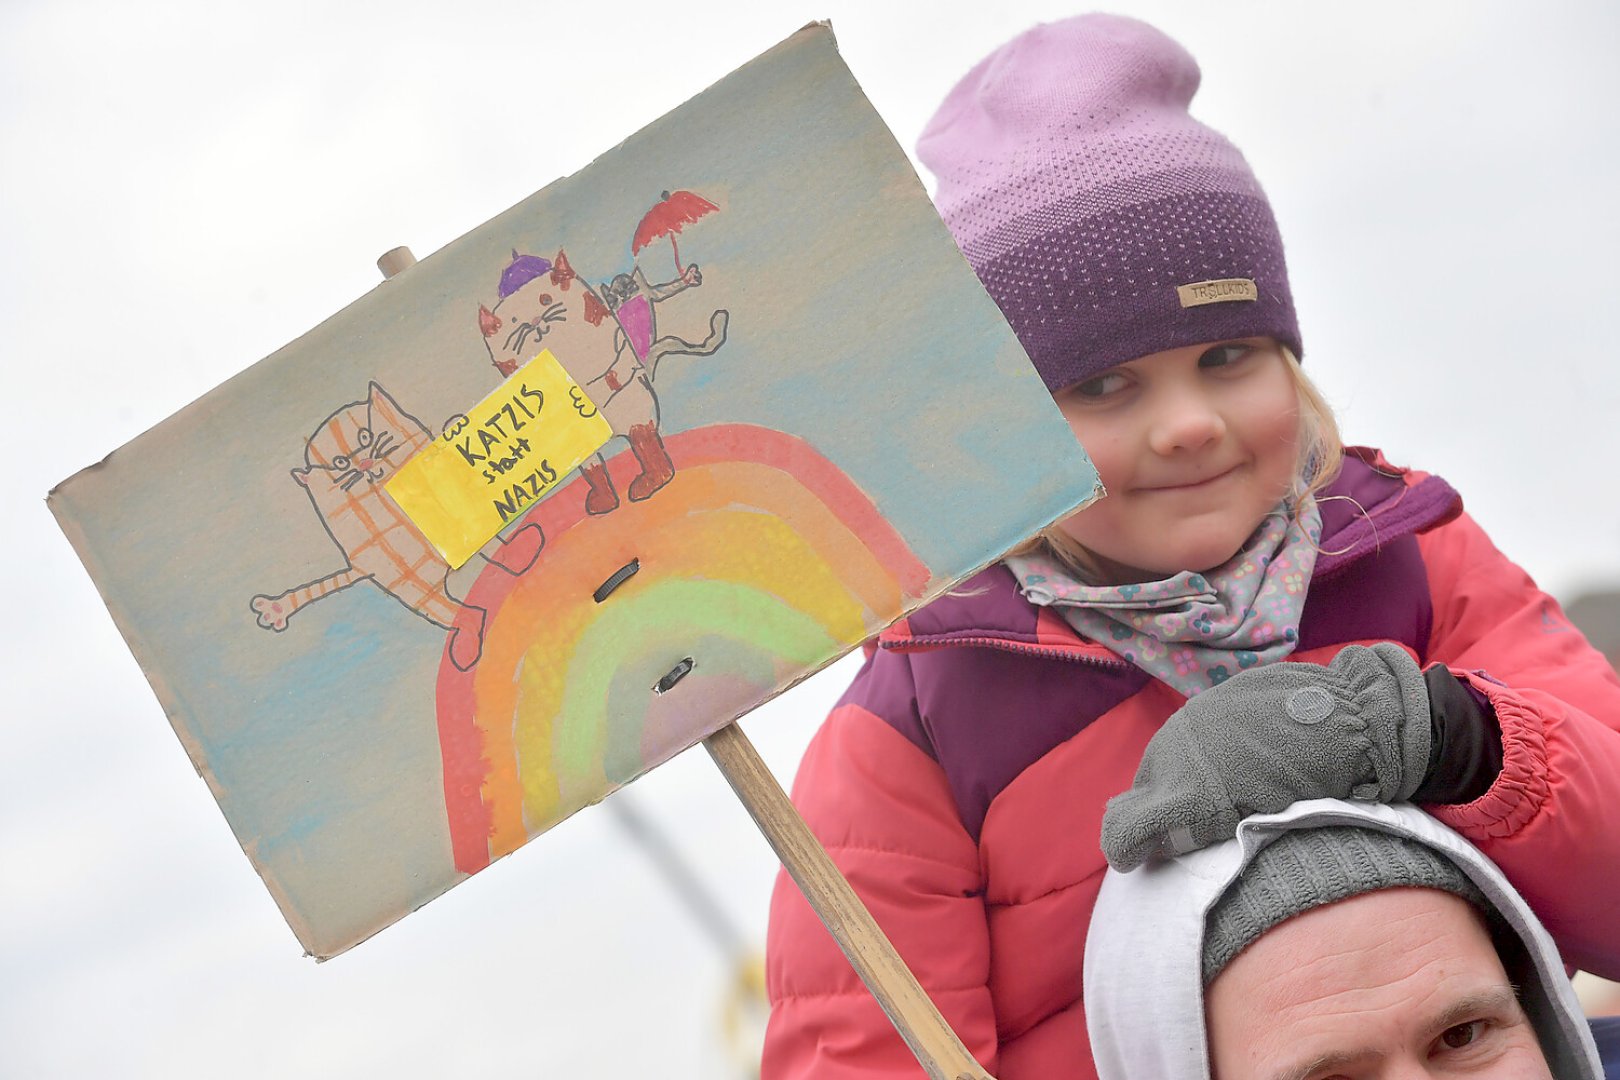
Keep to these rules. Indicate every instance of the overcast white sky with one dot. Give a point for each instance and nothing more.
(185, 187)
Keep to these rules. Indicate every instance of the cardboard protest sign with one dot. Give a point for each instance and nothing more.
(571, 494)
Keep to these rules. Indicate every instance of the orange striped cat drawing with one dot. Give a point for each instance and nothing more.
(346, 462)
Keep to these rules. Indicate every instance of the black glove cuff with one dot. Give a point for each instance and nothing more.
(1465, 744)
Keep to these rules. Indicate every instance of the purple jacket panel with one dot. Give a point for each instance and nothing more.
(1383, 596)
(1371, 503)
(987, 604)
(990, 714)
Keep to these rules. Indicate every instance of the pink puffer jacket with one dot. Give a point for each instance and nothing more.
(961, 780)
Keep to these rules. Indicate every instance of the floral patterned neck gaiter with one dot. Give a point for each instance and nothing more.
(1194, 630)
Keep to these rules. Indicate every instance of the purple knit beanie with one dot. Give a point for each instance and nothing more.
(1104, 220)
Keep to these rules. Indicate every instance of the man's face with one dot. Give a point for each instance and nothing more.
(1396, 983)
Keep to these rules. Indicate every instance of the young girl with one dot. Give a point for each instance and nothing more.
(962, 781)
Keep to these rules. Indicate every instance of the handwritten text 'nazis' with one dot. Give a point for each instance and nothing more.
(496, 451)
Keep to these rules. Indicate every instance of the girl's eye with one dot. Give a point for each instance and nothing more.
(1224, 355)
(1099, 386)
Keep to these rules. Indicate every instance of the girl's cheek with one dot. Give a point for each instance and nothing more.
(1111, 458)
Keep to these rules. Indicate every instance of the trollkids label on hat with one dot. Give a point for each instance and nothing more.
(498, 458)
(1218, 291)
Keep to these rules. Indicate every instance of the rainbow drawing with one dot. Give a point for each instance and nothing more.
(760, 560)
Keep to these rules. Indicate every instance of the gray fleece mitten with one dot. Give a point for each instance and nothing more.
(1268, 737)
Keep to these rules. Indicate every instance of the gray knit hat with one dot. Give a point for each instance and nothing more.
(1310, 868)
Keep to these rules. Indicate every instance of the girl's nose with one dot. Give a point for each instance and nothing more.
(1185, 420)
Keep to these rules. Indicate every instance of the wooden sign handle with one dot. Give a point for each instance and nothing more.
(938, 1050)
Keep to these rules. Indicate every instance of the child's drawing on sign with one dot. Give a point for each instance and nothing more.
(611, 349)
(346, 462)
(632, 298)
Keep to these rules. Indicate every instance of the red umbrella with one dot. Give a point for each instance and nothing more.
(674, 210)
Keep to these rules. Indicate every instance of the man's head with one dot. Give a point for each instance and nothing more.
(1334, 939)
(1343, 952)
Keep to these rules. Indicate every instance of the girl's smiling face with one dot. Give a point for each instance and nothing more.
(1195, 445)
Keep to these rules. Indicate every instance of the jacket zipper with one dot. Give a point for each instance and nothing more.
(1013, 647)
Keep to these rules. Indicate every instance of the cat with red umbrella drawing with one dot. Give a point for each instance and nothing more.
(611, 349)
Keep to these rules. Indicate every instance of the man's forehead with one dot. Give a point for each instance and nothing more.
(1375, 929)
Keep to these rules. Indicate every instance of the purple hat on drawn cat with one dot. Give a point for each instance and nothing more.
(1105, 221)
(522, 270)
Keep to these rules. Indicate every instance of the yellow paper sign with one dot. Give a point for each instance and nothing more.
(499, 458)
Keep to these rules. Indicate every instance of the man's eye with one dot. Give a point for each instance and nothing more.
(1222, 355)
(1455, 1038)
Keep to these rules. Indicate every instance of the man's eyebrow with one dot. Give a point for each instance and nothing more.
(1494, 1000)
(1326, 1061)
(1501, 998)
